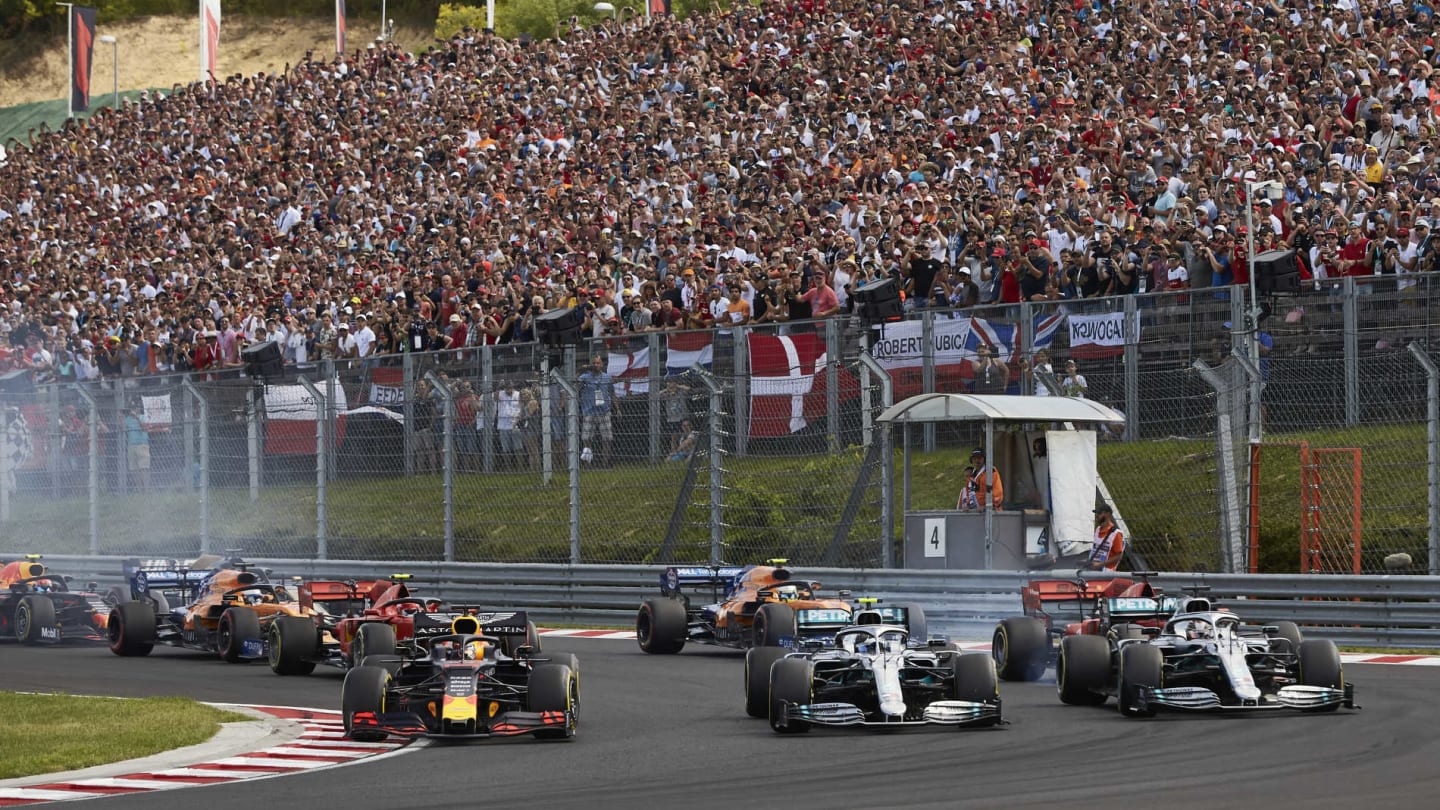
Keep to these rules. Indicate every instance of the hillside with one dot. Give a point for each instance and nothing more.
(161, 51)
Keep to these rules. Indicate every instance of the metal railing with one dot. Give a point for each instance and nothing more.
(1372, 611)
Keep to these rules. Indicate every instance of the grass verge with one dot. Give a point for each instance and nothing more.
(49, 733)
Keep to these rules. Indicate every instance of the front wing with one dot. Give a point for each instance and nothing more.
(940, 712)
(1198, 698)
(412, 725)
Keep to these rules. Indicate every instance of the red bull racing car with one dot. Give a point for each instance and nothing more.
(38, 607)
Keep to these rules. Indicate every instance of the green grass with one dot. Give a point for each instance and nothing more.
(784, 506)
(16, 121)
(49, 733)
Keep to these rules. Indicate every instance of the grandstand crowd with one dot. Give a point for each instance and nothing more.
(742, 166)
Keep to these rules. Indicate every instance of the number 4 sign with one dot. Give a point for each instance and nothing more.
(935, 537)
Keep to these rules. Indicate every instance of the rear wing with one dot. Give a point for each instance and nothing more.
(816, 620)
(349, 596)
(674, 578)
(169, 577)
(1140, 607)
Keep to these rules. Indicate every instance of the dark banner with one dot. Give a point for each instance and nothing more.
(82, 47)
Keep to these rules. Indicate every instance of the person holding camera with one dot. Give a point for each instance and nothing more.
(991, 375)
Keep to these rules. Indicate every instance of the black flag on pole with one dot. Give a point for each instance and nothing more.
(82, 47)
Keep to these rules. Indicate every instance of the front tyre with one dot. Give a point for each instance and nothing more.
(976, 681)
(758, 661)
(1142, 667)
(1319, 664)
(774, 624)
(1082, 672)
(554, 688)
(364, 691)
(35, 620)
(237, 626)
(292, 645)
(792, 683)
(373, 638)
(130, 630)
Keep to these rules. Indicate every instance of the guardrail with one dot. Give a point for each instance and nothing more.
(1374, 611)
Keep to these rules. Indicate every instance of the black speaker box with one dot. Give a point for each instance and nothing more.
(263, 360)
(559, 327)
(879, 301)
(1277, 271)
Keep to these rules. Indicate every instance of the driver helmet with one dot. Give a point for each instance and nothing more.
(474, 650)
(787, 593)
(1196, 630)
(865, 645)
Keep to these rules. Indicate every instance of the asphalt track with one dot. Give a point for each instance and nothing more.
(672, 731)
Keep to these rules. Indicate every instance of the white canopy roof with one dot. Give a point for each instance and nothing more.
(924, 408)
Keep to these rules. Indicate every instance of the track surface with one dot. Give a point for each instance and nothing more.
(672, 731)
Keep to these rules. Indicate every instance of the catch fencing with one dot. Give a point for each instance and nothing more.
(1373, 611)
(759, 441)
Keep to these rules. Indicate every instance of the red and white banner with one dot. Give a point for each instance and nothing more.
(340, 26)
(82, 48)
(685, 350)
(209, 38)
(290, 419)
(1100, 335)
(631, 372)
(387, 387)
(787, 383)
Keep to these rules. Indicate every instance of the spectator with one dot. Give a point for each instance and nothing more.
(137, 450)
(597, 396)
(1073, 384)
(991, 375)
(508, 412)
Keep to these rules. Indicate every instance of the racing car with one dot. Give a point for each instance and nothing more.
(38, 607)
(753, 606)
(466, 686)
(1025, 646)
(872, 675)
(227, 609)
(1203, 659)
(348, 620)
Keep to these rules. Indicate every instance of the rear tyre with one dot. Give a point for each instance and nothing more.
(1320, 666)
(661, 626)
(1291, 633)
(1082, 672)
(292, 645)
(364, 691)
(237, 625)
(373, 638)
(792, 682)
(976, 681)
(34, 620)
(554, 688)
(758, 661)
(130, 630)
(1019, 647)
(510, 645)
(1141, 667)
(917, 625)
(774, 623)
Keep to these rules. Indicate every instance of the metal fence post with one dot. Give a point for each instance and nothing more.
(832, 383)
(741, 383)
(572, 452)
(188, 432)
(1232, 543)
(5, 474)
(252, 438)
(203, 483)
(407, 370)
(122, 459)
(867, 419)
(1352, 352)
(447, 451)
(717, 469)
(927, 372)
(92, 422)
(487, 408)
(547, 430)
(1132, 369)
(868, 366)
(654, 399)
(1432, 450)
(52, 461)
(322, 542)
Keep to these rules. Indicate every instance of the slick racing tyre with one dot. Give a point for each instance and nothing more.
(1019, 647)
(1141, 667)
(792, 682)
(35, 620)
(554, 688)
(758, 661)
(774, 623)
(661, 626)
(373, 638)
(1320, 666)
(1291, 633)
(364, 691)
(237, 626)
(1082, 672)
(130, 630)
(511, 644)
(976, 681)
(292, 645)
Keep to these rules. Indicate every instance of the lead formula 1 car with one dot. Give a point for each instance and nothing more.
(38, 607)
(1203, 659)
(466, 686)
(872, 676)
